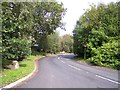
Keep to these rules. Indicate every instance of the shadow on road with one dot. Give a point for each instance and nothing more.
(68, 56)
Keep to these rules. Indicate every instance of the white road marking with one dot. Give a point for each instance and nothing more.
(74, 67)
(62, 61)
(108, 79)
(58, 57)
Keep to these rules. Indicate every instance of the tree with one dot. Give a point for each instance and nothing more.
(67, 43)
(27, 23)
(95, 30)
(53, 43)
(16, 29)
(47, 18)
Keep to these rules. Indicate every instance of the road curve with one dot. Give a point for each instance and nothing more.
(63, 72)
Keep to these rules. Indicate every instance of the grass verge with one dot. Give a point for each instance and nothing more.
(26, 67)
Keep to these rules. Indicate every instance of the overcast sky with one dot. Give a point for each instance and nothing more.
(75, 8)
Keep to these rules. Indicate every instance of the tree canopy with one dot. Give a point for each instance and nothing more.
(67, 43)
(96, 35)
(27, 23)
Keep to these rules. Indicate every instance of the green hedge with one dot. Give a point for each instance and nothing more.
(16, 49)
(107, 55)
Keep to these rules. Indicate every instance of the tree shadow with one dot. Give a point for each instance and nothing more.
(68, 56)
(23, 65)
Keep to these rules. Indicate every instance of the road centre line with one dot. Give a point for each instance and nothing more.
(71, 66)
(96, 75)
(107, 79)
(62, 61)
(74, 67)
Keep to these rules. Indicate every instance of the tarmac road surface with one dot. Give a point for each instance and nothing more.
(62, 71)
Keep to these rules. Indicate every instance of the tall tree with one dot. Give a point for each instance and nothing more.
(47, 18)
(23, 22)
(67, 43)
(53, 43)
(16, 29)
(98, 29)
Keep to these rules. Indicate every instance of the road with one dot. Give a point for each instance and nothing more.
(63, 71)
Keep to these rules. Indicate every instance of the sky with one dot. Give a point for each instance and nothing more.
(75, 8)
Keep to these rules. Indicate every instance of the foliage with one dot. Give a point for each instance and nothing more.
(16, 49)
(25, 21)
(67, 43)
(16, 29)
(53, 43)
(96, 35)
(47, 18)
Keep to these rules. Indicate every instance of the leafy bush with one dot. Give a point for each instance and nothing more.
(6, 62)
(107, 55)
(16, 49)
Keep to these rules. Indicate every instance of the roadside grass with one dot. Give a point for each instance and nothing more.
(26, 67)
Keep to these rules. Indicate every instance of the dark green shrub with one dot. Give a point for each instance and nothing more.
(6, 62)
(16, 49)
(107, 55)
